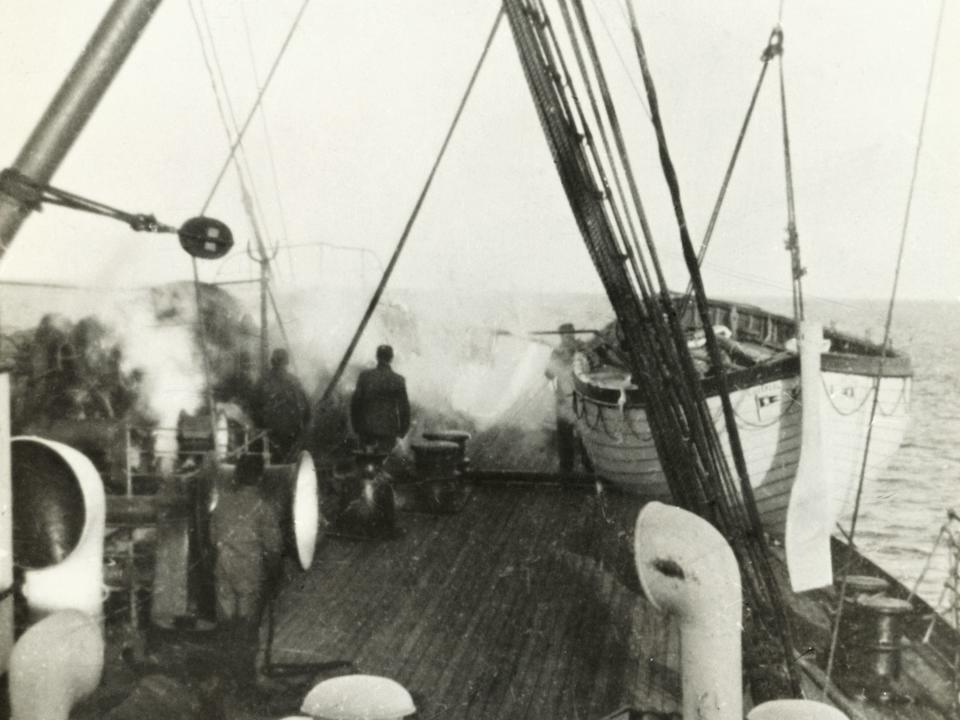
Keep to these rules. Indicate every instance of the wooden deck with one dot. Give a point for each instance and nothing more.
(499, 611)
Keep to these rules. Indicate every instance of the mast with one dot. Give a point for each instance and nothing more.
(263, 259)
(264, 342)
(74, 103)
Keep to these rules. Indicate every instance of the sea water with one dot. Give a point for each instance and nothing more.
(903, 511)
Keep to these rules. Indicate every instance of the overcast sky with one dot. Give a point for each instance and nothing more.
(361, 102)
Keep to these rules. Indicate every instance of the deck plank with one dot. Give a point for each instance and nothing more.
(486, 613)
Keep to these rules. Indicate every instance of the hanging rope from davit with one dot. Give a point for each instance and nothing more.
(797, 271)
(774, 49)
(782, 632)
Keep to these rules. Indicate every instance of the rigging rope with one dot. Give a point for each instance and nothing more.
(251, 203)
(693, 268)
(685, 406)
(375, 299)
(274, 175)
(797, 271)
(201, 328)
(616, 48)
(773, 49)
(634, 255)
(884, 350)
(256, 105)
(733, 435)
(656, 344)
(231, 158)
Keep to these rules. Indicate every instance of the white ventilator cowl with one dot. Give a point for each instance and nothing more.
(358, 697)
(76, 582)
(795, 710)
(55, 663)
(687, 569)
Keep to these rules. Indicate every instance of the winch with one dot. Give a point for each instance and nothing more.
(870, 642)
(367, 506)
(440, 461)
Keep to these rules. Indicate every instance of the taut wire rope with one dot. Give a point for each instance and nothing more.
(375, 299)
(256, 104)
(235, 145)
(774, 48)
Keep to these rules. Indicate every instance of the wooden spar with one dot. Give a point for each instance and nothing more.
(74, 103)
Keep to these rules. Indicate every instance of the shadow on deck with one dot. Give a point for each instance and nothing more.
(501, 610)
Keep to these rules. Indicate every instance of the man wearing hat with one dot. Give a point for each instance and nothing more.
(560, 372)
(280, 406)
(380, 409)
(247, 540)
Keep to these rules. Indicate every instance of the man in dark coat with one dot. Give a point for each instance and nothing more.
(245, 533)
(280, 406)
(380, 409)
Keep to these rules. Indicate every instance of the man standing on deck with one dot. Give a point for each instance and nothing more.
(560, 372)
(280, 407)
(380, 409)
(245, 533)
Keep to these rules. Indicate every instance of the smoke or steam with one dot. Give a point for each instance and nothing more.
(466, 362)
(468, 359)
(173, 377)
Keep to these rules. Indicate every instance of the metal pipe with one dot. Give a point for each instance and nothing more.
(686, 568)
(54, 664)
(74, 103)
(59, 518)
